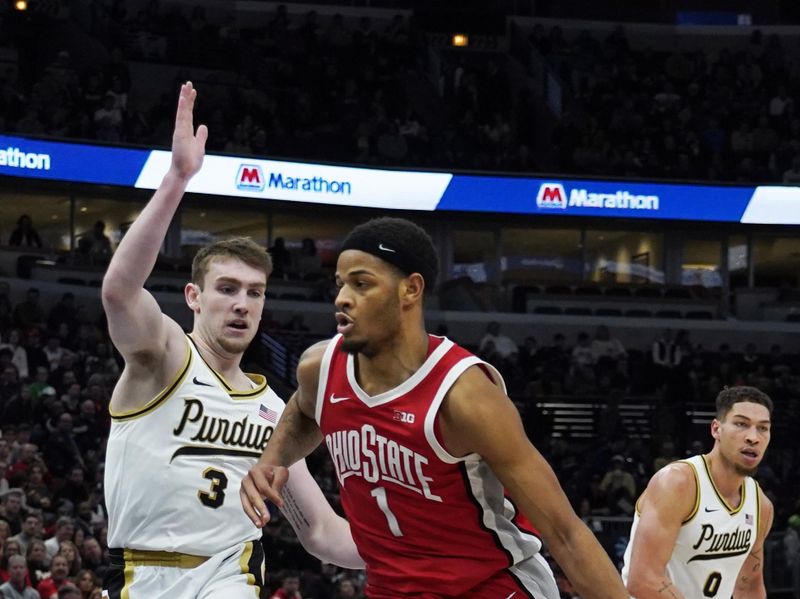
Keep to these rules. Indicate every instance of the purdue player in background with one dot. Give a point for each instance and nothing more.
(187, 423)
(700, 525)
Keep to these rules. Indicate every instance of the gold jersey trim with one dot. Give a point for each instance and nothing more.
(758, 506)
(726, 505)
(259, 380)
(244, 563)
(696, 507)
(161, 397)
(164, 559)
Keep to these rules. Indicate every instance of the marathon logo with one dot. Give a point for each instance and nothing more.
(250, 178)
(553, 195)
(16, 158)
(313, 184)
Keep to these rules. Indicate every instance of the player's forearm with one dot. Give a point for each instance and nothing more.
(745, 590)
(586, 564)
(295, 437)
(136, 255)
(335, 544)
(653, 586)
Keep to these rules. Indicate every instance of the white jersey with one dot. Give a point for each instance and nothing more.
(715, 539)
(174, 467)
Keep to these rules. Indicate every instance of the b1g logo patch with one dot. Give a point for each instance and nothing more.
(406, 417)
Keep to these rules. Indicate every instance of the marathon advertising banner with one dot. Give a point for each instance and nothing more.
(403, 189)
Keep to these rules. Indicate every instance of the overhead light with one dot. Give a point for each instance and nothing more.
(460, 40)
(21, 5)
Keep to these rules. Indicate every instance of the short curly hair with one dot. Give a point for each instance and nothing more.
(406, 246)
(731, 395)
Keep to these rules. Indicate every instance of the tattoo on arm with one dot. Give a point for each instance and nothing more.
(757, 559)
(291, 510)
(668, 590)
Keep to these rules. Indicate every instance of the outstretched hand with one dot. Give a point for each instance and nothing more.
(263, 482)
(188, 147)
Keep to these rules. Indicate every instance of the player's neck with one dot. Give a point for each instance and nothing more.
(226, 364)
(393, 364)
(726, 479)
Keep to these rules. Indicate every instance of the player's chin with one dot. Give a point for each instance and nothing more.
(235, 345)
(353, 345)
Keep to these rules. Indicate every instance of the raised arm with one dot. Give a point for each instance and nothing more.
(296, 436)
(750, 584)
(666, 503)
(136, 324)
(477, 417)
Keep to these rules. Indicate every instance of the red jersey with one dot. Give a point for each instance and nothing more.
(424, 521)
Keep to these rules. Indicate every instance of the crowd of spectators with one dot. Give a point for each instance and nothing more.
(357, 90)
(691, 115)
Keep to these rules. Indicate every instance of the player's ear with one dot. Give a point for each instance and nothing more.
(192, 294)
(413, 288)
(715, 424)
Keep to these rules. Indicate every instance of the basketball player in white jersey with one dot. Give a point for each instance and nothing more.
(187, 422)
(700, 525)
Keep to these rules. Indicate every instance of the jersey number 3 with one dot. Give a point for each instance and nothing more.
(214, 497)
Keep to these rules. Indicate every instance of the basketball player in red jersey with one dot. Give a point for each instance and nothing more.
(424, 441)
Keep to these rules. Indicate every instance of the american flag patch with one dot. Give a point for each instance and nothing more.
(748, 519)
(268, 414)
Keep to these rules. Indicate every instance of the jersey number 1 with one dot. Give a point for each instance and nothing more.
(379, 494)
(214, 497)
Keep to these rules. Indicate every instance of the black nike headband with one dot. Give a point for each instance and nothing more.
(386, 251)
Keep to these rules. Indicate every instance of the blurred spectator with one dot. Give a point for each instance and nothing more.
(68, 591)
(101, 244)
(348, 589)
(503, 345)
(582, 363)
(12, 511)
(17, 587)
(620, 487)
(70, 553)
(4, 486)
(86, 581)
(31, 529)
(290, 587)
(38, 562)
(665, 355)
(25, 235)
(65, 528)
(92, 555)
(791, 549)
(61, 451)
(63, 312)
(308, 263)
(29, 312)
(19, 355)
(281, 258)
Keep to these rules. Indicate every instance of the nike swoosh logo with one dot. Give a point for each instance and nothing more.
(201, 383)
(511, 595)
(708, 510)
(335, 399)
(385, 249)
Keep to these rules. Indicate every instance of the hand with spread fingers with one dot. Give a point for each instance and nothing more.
(263, 483)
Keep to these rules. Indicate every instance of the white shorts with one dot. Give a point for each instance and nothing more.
(236, 573)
